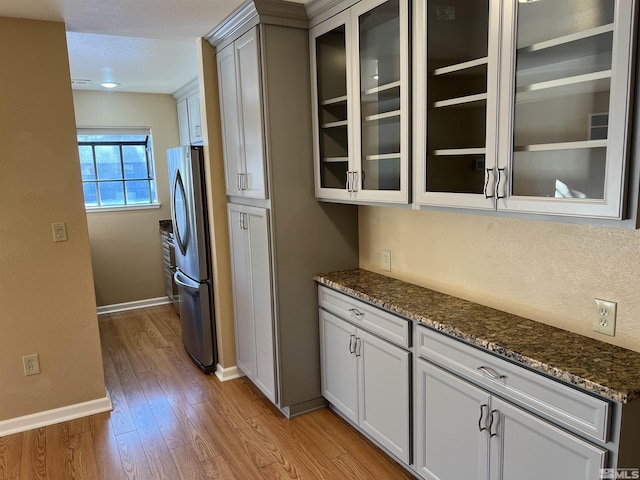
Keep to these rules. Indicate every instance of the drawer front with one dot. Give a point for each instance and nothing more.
(544, 396)
(365, 316)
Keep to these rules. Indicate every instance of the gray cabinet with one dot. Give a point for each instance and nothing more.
(253, 310)
(366, 377)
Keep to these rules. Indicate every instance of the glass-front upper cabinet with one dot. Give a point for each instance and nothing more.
(565, 118)
(456, 45)
(361, 103)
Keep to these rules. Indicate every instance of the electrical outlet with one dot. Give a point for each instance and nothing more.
(604, 317)
(386, 260)
(31, 364)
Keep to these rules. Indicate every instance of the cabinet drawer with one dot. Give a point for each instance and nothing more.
(544, 396)
(384, 324)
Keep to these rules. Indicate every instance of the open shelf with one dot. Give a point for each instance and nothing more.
(334, 101)
(382, 88)
(458, 101)
(381, 116)
(384, 156)
(341, 123)
(459, 151)
(335, 159)
(579, 84)
(545, 147)
(460, 66)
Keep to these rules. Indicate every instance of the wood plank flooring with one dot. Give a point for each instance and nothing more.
(171, 422)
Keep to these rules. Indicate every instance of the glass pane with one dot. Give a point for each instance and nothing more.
(379, 41)
(86, 162)
(137, 191)
(135, 161)
(111, 193)
(332, 108)
(108, 162)
(457, 61)
(563, 82)
(90, 194)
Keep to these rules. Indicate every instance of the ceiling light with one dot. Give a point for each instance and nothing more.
(110, 84)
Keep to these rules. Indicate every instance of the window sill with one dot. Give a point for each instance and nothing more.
(123, 208)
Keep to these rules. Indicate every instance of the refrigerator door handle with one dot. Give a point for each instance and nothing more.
(176, 277)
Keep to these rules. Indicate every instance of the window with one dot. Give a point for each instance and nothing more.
(117, 168)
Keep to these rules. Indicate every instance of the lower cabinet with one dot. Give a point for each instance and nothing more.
(457, 420)
(368, 380)
(252, 298)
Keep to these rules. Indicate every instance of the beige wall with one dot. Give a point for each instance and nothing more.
(125, 246)
(549, 272)
(217, 200)
(48, 303)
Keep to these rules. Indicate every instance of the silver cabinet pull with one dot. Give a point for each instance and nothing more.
(240, 221)
(245, 222)
(491, 373)
(499, 184)
(480, 427)
(244, 181)
(354, 182)
(347, 186)
(358, 346)
(356, 312)
(237, 181)
(352, 347)
(491, 422)
(488, 174)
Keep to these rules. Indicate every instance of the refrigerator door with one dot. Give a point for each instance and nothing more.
(198, 328)
(188, 211)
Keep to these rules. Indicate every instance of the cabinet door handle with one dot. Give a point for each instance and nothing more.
(358, 346)
(492, 373)
(499, 185)
(237, 181)
(356, 312)
(491, 422)
(352, 347)
(480, 427)
(346, 185)
(488, 174)
(354, 182)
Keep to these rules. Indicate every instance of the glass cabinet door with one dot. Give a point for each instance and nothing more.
(457, 102)
(381, 100)
(331, 122)
(568, 108)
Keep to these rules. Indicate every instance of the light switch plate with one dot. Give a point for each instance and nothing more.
(59, 232)
(604, 317)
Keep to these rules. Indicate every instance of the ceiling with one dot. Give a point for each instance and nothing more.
(145, 45)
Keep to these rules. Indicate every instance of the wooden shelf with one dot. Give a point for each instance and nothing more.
(384, 156)
(340, 123)
(382, 116)
(459, 151)
(382, 88)
(546, 147)
(334, 101)
(587, 83)
(458, 101)
(460, 66)
(335, 159)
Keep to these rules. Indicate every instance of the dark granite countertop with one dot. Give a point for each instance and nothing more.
(610, 371)
(166, 226)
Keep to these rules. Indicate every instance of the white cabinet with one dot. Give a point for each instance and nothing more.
(367, 379)
(360, 92)
(253, 311)
(189, 119)
(242, 116)
(497, 439)
(523, 106)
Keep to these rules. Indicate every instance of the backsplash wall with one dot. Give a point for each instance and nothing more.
(549, 272)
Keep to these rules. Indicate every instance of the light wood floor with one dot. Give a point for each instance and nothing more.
(172, 422)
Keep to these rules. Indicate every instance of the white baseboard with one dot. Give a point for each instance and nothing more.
(57, 415)
(226, 374)
(121, 307)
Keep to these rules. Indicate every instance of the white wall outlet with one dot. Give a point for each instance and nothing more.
(31, 364)
(386, 260)
(59, 232)
(604, 317)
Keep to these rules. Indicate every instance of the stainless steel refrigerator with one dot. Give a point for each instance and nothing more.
(193, 271)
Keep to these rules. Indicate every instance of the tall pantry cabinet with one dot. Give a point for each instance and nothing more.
(280, 235)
